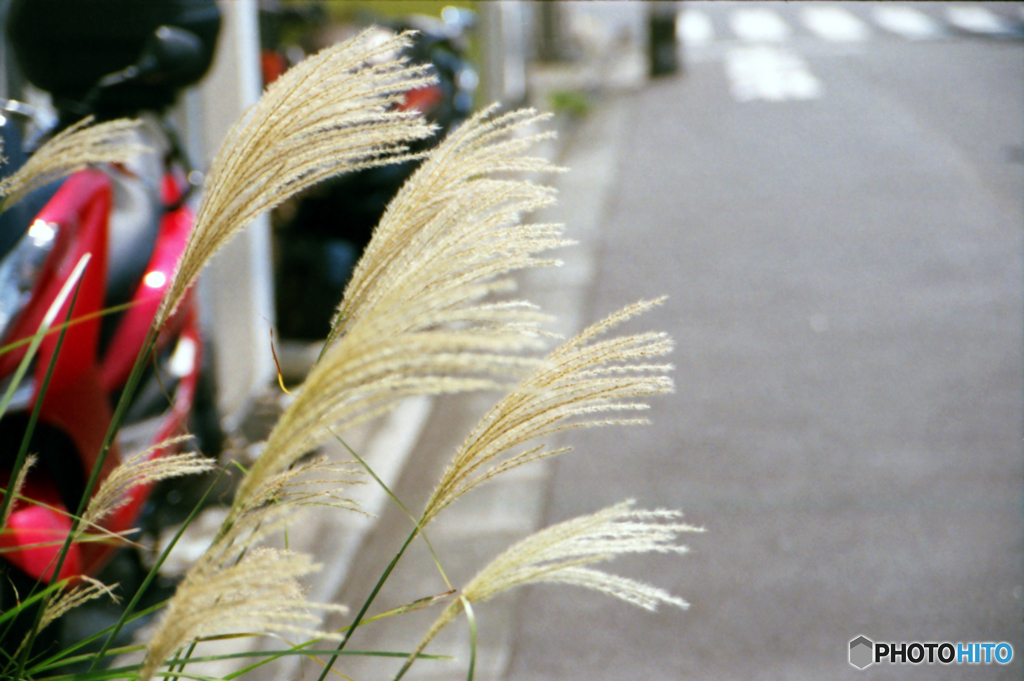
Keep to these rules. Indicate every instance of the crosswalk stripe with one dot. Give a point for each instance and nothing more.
(976, 19)
(694, 28)
(834, 23)
(907, 22)
(766, 72)
(758, 24)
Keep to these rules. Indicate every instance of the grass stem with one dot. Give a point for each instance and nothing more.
(369, 600)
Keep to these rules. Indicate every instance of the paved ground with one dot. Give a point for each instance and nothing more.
(845, 272)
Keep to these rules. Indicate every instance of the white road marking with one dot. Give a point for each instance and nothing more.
(758, 24)
(694, 28)
(907, 22)
(769, 73)
(834, 23)
(976, 19)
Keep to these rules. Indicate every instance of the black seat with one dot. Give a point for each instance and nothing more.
(66, 46)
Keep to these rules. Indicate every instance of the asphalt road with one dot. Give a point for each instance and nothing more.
(844, 261)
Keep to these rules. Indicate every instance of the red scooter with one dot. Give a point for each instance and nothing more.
(133, 220)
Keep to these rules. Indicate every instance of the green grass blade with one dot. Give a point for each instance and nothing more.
(121, 673)
(74, 283)
(398, 502)
(31, 600)
(276, 654)
(366, 604)
(75, 659)
(184, 660)
(418, 604)
(70, 285)
(113, 309)
(299, 648)
(63, 657)
(472, 636)
(311, 652)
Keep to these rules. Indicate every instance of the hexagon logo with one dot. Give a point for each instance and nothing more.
(861, 652)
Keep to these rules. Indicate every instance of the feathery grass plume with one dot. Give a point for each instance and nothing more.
(307, 484)
(331, 113)
(15, 489)
(275, 501)
(69, 599)
(142, 469)
(454, 226)
(236, 587)
(369, 370)
(559, 553)
(72, 598)
(70, 151)
(259, 594)
(413, 320)
(576, 386)
(270, 598)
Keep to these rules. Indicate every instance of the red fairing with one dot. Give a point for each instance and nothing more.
(131, 332)
(80, 209)
(41, 532)
(77, 400)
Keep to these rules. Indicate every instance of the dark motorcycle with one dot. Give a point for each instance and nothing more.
(328, 227)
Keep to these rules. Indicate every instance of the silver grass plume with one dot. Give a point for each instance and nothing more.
(560, 554)
(70, 151)
(314, 483)
(142, 469)
(14, 489)
(582, 383)
(276, 500)
(260, 593)
(261, 588)
(69, 599)
(368, 371)
(331, 113)
(454, 225)
(310, 484)
(414, 320)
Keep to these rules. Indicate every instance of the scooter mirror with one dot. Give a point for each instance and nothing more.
(173, 53)
(170, 55)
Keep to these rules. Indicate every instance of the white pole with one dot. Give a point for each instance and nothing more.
(237, 287)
